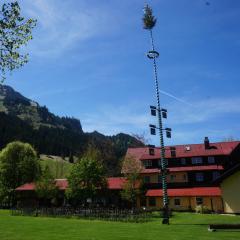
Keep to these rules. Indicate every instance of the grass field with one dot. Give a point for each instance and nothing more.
(183, 226)
(58, 167)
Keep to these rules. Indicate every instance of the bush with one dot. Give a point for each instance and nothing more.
(202, 209)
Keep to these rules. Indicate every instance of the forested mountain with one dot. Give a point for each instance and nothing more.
(14, 104)
(25, 120)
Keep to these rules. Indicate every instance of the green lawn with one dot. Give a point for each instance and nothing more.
(183, 226)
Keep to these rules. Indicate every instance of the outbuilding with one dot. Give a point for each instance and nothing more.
(230, 186)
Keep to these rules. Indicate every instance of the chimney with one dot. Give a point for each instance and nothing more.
(206, 143)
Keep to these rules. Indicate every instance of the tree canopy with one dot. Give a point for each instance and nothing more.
(15, 32)
(149, 21)
(131, 168)
(46, 186)
(86, 178)
(18, 165)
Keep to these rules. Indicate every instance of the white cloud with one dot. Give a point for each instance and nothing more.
(175, 97)
(59, 91)
(130, 118)
(203, 110)
(111, 120)
(63, 25)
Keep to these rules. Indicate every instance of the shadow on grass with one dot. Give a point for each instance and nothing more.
(198, 224)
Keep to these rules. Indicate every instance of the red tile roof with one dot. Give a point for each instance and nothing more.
(186, 192)
(62, 184)
(220, 148)
(183, 169)
(26, 187)
(196, 168)
(115, 183)
(150, 170)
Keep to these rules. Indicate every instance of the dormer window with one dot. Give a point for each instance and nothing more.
(211, 160)
(151, 151)
(187, 148)
(173, 152)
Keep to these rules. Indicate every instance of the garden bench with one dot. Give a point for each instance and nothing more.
(214, 227)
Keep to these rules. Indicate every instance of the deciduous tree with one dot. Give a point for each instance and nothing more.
(46, 186)
(15, 32)
(87, 177)
(131, 168)
(18, 165)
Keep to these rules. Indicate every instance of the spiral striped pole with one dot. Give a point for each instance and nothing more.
(153, 54)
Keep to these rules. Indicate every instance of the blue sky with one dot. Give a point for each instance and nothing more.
(88, 60)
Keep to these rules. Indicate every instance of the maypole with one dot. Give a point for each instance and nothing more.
(149, 21)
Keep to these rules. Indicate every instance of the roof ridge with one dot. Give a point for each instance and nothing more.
(186, 144)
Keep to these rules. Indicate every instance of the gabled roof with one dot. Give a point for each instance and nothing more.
(228, 173)
(114, 183)
(186, 192)
(220, 148)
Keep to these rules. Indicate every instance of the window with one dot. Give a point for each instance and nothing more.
(177, 202)
(196, 160)
(147, 163)
(172, 177)
(184, 177)
(183, 161)
(159, 162)
(146, 179)
(199, 177)
(151, 151)
(173, 153)
(152, 201)
(159, 178)
(187, 148)
(215, 175)
(199, 200)
(211, 160)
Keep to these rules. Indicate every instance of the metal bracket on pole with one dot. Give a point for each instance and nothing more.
(152, 54)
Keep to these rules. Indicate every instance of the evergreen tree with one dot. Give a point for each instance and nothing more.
(149, 21)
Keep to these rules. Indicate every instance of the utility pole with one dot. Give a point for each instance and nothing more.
(149, 22)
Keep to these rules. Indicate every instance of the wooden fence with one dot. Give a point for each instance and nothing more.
(128, 215)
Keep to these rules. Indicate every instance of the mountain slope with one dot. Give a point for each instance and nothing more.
(14, 104)
(25, 120)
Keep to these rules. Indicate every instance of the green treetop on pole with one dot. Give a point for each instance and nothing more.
(149, 21)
